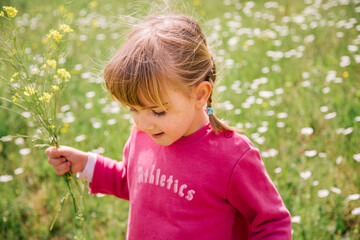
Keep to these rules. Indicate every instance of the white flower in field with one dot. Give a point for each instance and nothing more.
(26, 114)
(270, 153)
(25, 151)
(232, 42)
(322, 155)
(305, 75)
(111, 121)
(309, 38)
(323, 193)
(331, 76)
(6, 178)
(221, 88)
(357, 157)
(19, 141)
(265, 70)
(86, 75)
(270, 113)
(305, 175)
(262, 129)
(280, 124)
(353, 197)
(18, 171)
(296, 219)
(306, 83)
(352, 48)
(279, 91)
(89, 105)
(315, 183)
(78, 67)
(6, 138)
(357, 57)
(335, 190)
(307, 131)
(345, 61)
(324, 109)
(266, 94)
(90, 94)
(65, 108)
(99, 195)
(310, 153)
(339, 160)
(277, 170)
(330, 115)
(282, 115)
(347, 131)
(357, 119)
(80, 138)
(326, 90)
(356, 211)
(97, 125)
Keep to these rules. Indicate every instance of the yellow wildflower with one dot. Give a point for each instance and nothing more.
(13, 78)
(1, 14)
(197, 3)
(11, 11)
(51, 63)
(29, 91)
(54, 34)
(44, 41)
(345, 74)
(14, 98)
(44, 66)
(64, 74)
(93, 4)
(45, 97)
(65, 128)
(65, 28)
(55, 88)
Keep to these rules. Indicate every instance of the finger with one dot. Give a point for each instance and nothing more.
(62, 168)
(57, 152)
(56, 161)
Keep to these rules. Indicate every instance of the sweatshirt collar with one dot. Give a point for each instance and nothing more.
(195, 136)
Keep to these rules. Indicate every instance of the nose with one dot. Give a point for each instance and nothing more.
(144, 122)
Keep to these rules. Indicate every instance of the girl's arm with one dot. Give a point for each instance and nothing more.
(110, 176)
(253, 194)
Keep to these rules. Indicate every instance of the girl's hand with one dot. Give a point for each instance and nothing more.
(65, 158)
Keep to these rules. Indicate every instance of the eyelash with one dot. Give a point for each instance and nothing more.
(157, 114)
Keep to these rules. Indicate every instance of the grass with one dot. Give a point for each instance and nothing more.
(300, 95)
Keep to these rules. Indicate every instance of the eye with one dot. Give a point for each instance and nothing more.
(132, 109)
(159, 114)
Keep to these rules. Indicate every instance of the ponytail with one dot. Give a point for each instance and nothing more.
(216, 124)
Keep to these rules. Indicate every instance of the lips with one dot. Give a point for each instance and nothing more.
(157, 135)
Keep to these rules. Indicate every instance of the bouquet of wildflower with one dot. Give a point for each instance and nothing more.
(35, 87)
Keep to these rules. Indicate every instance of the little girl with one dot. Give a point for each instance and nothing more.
(186, 174)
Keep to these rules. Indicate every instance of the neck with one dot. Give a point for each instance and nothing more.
(199, 121)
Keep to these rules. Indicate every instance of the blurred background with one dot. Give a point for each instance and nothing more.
(288, 76)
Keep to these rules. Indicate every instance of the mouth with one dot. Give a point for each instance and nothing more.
(157, 135)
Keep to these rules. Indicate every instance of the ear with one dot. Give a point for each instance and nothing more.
(202, 93)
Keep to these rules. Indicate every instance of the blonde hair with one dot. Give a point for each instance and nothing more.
(164, 50)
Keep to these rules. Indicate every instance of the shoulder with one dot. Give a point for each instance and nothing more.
(231, 140)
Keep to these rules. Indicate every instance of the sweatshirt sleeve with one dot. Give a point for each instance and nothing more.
(253, 194)
(110, 176)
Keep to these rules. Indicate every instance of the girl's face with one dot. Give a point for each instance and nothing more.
(181, 118)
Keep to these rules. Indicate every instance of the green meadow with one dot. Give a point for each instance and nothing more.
(288, 76)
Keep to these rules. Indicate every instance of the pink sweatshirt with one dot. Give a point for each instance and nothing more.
(203, 186)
